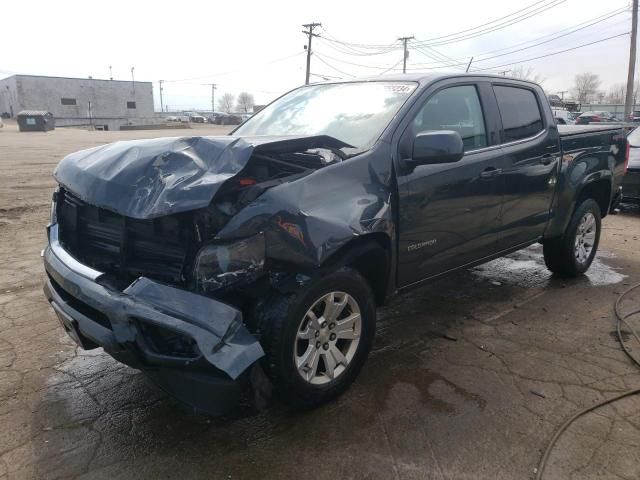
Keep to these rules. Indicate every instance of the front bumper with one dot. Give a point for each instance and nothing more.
(206, 372)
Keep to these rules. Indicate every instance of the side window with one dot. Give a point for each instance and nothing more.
(458, 109)
(520, 112)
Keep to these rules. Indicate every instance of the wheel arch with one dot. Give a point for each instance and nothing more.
(369, 255)
(598, 190)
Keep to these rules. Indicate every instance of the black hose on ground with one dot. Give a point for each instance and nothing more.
(620, 320)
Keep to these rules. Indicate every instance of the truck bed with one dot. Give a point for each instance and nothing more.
(568, 130)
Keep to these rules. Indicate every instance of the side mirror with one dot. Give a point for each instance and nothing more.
(436, 146)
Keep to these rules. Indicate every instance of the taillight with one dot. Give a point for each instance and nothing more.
(626, 157)
(246, 182)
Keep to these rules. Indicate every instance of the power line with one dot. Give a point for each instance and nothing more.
(608, 15)
(332, 67)
(555, 36)
(356, 53)
(553, 53)
(438, 57)
(325, 76)
(496, 27)
(374, 67)
(391, 68)
(485, 24)
(548, 4)
(493, 67)
(355, 46)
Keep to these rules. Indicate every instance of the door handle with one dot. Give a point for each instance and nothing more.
(546, 159)
(490, 172)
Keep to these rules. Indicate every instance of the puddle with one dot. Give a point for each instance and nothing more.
(602, 274)
(526, 268)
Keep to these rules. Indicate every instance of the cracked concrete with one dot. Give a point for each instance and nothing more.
(523, 351)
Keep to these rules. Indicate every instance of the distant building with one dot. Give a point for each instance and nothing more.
(105, 104)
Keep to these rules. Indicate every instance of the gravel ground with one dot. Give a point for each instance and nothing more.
(469, 376)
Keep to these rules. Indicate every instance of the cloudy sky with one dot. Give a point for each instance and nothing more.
(258, 46)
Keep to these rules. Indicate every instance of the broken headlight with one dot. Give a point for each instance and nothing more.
(224, 265)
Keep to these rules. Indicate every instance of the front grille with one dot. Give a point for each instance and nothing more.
(124, 246)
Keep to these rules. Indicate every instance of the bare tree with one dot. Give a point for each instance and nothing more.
(225, 103)
(585, 86)
(616, 93)
(245, 102)
(523, 72)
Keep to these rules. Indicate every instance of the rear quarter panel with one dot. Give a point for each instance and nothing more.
(588, 155)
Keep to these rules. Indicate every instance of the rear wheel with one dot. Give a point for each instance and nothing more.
(317, 340)
(572, 254)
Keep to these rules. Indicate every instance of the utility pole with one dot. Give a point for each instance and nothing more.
(632, 61)
(404, 40)
(310, 34)
(562, 92)
(133, 80)
(213, 96)
(110, 73)
(161, 106)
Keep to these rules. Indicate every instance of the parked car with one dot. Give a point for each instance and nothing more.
(635, 116)
(172, 118)
(196, 118)
(595, 117)
(215, 117)
(631, 181)
(563, 116)
(259, 258)
(227, 119)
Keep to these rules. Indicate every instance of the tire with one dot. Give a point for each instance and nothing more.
(284, 319)
(572, 254)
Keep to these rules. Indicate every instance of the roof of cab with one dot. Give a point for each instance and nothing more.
(423, 78)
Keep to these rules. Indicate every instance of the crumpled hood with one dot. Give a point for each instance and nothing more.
(152, 178)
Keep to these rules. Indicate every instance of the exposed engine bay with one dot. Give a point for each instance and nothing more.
(169, 248)
(265, 171)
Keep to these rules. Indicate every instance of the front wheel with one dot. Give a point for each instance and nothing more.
(317, 340)
(572, 254)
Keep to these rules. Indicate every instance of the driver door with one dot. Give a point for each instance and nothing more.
(450, 212)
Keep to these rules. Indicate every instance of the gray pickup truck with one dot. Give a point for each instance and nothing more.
(222, 266)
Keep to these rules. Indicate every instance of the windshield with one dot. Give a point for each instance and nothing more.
(355, 113)
(634, 138)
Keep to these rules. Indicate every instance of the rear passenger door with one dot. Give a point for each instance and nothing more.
(531, 149)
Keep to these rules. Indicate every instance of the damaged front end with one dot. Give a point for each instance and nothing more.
(137, 262)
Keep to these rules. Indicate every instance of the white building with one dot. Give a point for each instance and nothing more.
(107, 104)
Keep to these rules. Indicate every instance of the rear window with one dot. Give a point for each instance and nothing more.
(520, 112)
